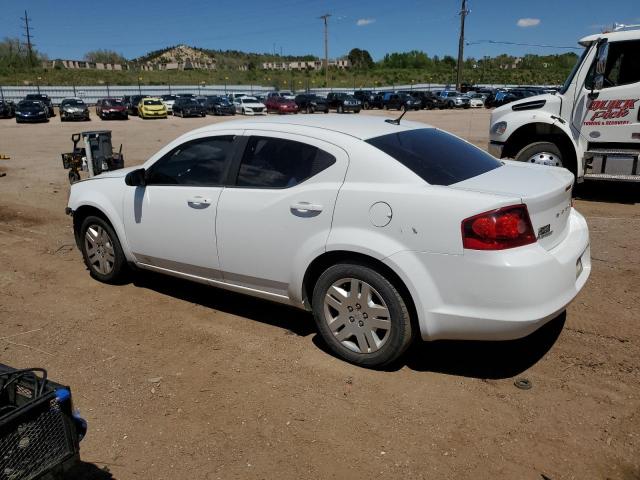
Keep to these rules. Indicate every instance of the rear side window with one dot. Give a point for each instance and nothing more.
(278, 163)
(437, 157)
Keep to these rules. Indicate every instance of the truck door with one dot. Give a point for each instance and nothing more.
(611, 119)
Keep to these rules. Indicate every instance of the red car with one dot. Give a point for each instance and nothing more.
(111, 108)
(281, 105)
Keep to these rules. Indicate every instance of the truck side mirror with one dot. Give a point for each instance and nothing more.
(136, 178)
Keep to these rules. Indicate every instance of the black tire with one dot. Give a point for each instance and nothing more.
(539, 147)
(119, 264)
(400, 333)
(356, 111)
(366, 106)
(450, 105)
(340, 109)
(309, 109)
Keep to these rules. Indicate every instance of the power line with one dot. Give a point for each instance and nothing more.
(325, 17)
(497, 42)
(463, 13)
(30, 44)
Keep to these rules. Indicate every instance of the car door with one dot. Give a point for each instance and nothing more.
(277, 216)
(170, 222)
(614, 116)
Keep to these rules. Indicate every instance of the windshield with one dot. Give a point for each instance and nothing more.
(575, 69)
(437, 157)
(249, 100)
(29, 104)
(168, 97)
(73, 103)
(113, 103)
(152, 102)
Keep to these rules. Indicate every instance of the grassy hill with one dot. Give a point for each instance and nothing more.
(242, 68)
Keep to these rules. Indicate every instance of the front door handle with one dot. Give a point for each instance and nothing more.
(198, 202)
(306, 207)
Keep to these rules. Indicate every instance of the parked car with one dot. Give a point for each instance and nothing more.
(134, 101)
(400, 101)
(427, 99)
(323, 194)
(343, 102)
(73, 109)
(188, 107)
(220, 106)
(281, 105)
(476, 100)
(108, 108)
(281, 93)
(31, 111)
(168, 101)
(452, 99)
(151, 107)
(249, 106)
(41, 97)
(7, 109)
(310, 103)
(366, 98)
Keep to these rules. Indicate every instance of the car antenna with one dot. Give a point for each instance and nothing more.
(397, 120)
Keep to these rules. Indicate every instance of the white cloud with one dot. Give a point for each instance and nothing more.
(365, 21)
(528, 22)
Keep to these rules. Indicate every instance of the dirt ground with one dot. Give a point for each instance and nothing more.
(179, 381)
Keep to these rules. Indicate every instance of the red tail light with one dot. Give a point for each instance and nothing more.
(507, 227)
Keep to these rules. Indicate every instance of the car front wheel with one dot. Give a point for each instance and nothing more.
(361, 315)
(101, 250)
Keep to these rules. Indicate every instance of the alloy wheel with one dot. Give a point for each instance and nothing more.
(357, 315)
(99, 247)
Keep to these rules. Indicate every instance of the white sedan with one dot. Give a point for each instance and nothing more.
(385, 231)
(249, 106)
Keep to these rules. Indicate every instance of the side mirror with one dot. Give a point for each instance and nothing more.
(136, 178)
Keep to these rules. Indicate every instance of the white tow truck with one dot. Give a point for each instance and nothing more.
(591, 126)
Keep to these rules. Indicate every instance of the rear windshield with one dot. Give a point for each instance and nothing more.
(437, 157)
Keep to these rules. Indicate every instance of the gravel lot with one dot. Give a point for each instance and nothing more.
(179, 381)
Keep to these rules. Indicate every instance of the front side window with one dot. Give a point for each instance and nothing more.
(200, 162)
(437, 157)
(623, 65)
(278, 163)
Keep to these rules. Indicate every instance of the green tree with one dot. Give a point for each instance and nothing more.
(104, 56)
(360, 59)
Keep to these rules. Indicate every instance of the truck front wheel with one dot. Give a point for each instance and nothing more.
(541, 153)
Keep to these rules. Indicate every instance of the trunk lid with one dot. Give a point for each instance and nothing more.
(546, 191)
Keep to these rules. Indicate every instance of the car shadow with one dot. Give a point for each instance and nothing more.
(88, 471)
(288, 318)
(476, 359)
(485, 359)
(618, 192)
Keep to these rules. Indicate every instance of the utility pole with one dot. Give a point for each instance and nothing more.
(463, 13)
(30, 44)
(325, 17)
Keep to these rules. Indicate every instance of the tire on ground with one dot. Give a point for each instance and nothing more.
(401, 327)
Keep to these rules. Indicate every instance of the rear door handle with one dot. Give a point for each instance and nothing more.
(306, 207)
(198, 202)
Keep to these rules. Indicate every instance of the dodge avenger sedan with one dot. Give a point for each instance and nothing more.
(385, 230)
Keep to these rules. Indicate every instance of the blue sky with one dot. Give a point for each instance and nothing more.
(69, 28)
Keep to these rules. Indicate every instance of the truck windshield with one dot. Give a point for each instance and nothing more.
(569, 79)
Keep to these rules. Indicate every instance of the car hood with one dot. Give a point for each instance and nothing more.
(550, 102)
(120, 173)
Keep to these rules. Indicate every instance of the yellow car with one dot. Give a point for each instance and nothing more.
(151, 107)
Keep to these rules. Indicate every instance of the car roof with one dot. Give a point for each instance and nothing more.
(361, 127)
(615, 36)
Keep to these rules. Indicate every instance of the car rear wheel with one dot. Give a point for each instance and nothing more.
(101, 250)
(361, 315)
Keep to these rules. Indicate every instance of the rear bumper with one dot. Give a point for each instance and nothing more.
(502, 295)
